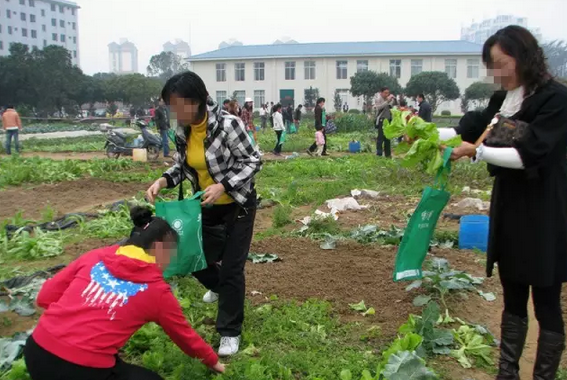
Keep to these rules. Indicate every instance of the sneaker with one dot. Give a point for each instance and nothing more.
(210, 297)
(229, 346)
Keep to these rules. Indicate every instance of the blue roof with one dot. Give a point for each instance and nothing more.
(334, 49)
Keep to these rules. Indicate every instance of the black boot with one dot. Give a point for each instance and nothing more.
(550, 346)
(514, 330)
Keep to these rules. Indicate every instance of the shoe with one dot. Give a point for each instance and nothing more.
(229, 346)
(513, 330)
(309, 152)
(210, 297)
(550, 346)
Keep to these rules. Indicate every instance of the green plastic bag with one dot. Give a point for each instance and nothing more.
(184, 216)
(251, 135)
(283, 137)
(420, 228)
(292, 128)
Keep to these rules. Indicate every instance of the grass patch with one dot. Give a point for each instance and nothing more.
(282, 216)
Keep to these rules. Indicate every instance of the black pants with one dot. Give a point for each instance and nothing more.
(278, 148)
(547, 304)
(43, 365)
(313, 147)
(228, 279)
(383, 142)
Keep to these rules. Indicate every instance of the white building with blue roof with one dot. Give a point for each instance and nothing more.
(279, 72)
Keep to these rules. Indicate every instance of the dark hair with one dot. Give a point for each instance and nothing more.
(403, 103)
(9, 106)
(187, 85)
(300, 106)
(248, 106)
(149, 229)
(520, 44)
(385, 89)
(226, 101)
(320, 100)
(277, 107)
(421, 96)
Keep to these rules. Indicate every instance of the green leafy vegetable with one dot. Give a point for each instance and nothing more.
(263, 258)
(407, 365)
(472, 346)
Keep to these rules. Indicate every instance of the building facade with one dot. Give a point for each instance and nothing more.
(478, 32)
(123, 57)
(40, 23)
(179, 47)
(274, 73)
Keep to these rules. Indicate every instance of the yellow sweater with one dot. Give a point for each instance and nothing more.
(196, 159)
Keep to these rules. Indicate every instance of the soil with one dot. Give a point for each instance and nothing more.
(64, 197)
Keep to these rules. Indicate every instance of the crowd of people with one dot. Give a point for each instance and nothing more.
(96, 303)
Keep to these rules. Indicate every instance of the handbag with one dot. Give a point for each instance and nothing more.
(506, 132)
(419, 231)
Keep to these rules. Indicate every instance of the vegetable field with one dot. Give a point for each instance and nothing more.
(320, 300)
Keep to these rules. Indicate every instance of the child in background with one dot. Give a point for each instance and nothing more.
(320, 141)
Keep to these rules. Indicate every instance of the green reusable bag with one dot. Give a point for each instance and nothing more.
(184, 216)
(420, 228)
(283, 137)
(292, 128)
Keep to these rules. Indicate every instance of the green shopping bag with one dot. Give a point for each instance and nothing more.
(283, 137)
(420, 228)
(251, 135)
(184, 216)
(292, 128)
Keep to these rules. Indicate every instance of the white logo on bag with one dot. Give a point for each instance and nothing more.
(178, 226)
(425, 216)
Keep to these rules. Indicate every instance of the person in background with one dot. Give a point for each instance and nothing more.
(264, 117)
(94, 305)
(12, 125)
(297, 116)
(225, 104)
(232, 108)
(384, 104)
(528, 209)
(279, 128)
(320, 141)
(345, 107)
(271, 109)
(288, 117)
(162, 124)
(320, 123)
(425, 111)
(215, 154)
(247, 117)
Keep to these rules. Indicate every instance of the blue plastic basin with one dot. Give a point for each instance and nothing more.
(473, 233)
(354, 147)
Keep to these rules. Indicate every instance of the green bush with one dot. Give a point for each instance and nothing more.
(282, 216)
(354, 111)
(349, 122)
(445, 113)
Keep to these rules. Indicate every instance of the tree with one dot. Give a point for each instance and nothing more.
(136, 89)
(311, 96)
(435, 85)
(165, 65)
(368, 83)
(338, 101)
(478, 94)
(556, 54)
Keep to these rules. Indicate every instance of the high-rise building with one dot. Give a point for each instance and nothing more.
(123, 57)
(179, 47)
(479, 32)
(40, 23)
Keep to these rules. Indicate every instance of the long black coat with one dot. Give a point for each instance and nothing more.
(528, 213)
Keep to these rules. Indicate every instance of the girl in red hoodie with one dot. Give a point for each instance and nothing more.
(100, 300)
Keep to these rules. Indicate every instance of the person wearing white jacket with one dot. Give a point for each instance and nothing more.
(279, 128)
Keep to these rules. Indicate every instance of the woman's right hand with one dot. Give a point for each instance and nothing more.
(154, 189)
(219, 367)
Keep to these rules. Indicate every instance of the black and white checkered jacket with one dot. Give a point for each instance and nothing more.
(230, 155)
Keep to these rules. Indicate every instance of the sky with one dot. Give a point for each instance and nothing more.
(206, 23)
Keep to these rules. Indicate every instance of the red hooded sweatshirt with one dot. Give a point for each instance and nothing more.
(101, 299)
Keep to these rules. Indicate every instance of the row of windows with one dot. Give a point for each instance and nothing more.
(23, 17)
(54, 36)
(259, 97)
(44, 45)
(473, 69)
(53, 7)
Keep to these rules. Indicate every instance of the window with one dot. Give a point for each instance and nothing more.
(74, 26)
(8, 13)
(53, 22)
(259, 97)
(62, 38)
(221, 96)
(361, 66)
(24, 32)
(343, 93)
(61, 8)
(416, 66)
(74, 54)
(290, 71)
(239, 74)
(32, 3)
(259, 72)
(44, 43)
(73, 11)
(22, 2)
(43, 13)
(53, 7)
(54, 36)
(342, 71)
(473, 68)
(74, 40)
(34, 34)
(44, 28)
(240, 96)
(1, 45)
(9, 30)
(23, 16)
(32, 18)
(62, 23)
(309, 70)
(221, 72)
(451, 68)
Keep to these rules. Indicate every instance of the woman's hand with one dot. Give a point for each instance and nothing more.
(212, 194)
(464, 150)
(154, 189)
(219, 367)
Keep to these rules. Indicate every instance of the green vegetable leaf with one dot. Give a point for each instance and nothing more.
(407, 365)
(370, 311)
(421, 300)
(453, 142)
(346, 374)
(358, 306)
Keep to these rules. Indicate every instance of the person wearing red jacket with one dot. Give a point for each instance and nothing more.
(100, 300)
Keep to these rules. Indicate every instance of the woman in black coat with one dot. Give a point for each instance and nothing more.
(528, 215)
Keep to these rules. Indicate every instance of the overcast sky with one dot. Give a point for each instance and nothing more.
(206, 23)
